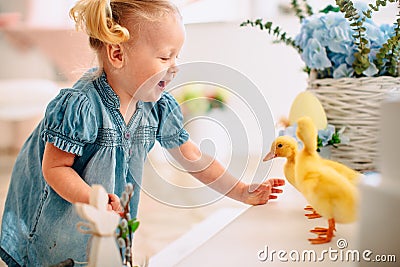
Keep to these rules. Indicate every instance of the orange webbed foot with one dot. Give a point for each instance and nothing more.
(313, 214)
(321, 231)
(324, 234)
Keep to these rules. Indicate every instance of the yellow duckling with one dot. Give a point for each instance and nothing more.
(327, 190)
(286, 147)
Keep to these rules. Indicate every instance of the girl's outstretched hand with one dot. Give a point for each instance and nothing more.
(114, 203)
(259, 194)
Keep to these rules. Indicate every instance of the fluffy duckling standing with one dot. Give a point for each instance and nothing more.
(327, 190)
(286, 147)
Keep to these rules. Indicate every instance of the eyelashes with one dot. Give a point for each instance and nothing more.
(165, 59)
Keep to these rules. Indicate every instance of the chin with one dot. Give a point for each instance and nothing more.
(153, 98)
(156, 99)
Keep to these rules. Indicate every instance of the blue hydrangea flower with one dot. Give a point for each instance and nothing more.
(308, 26)
(328, 44)
(361, 7)
(371, 71)
(342, 71)
(374, 34)
(338, 33)
(314, 55)
(387, 30)
(338, 59)
(326, 134)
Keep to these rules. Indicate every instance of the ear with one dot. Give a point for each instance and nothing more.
(115, 55)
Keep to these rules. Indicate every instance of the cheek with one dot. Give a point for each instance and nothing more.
(151, 73)
(149, 80)
(154, 76)
(146, 84)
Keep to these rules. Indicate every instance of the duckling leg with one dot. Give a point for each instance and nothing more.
(313, 214)
(324, 234)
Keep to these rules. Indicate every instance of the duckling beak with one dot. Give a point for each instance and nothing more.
(269, 156)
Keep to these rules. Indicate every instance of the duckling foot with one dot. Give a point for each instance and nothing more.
(324, 234)
(320, 231)
(313, 214)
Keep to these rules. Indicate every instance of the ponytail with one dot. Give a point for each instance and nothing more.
(96, 18)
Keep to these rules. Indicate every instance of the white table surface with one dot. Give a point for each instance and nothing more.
(235, 238)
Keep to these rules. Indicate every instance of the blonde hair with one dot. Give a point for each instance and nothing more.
(106, 21)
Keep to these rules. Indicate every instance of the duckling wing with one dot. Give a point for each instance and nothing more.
(352, 175)
(331, 194)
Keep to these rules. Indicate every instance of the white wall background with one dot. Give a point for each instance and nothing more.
(274, 68)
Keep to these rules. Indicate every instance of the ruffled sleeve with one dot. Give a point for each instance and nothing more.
(170, 131)
(70, 122)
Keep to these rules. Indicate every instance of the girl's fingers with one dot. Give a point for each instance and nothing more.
(276, 191)
(113, 201)
(276, 182)
(113, 198)
(272, 197)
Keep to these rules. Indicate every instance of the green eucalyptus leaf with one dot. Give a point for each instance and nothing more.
(365, 51)
(330, 8)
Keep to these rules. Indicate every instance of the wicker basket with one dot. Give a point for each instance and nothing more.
(354, 103)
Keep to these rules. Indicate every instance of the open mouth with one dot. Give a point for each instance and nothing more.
(162, 84)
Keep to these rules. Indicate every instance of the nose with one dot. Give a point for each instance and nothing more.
(173, 69)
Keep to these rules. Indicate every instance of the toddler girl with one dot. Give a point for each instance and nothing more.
(100, 131)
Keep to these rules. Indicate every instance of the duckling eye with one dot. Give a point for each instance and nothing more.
(280, 145)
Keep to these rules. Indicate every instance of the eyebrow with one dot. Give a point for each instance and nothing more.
(170, 50)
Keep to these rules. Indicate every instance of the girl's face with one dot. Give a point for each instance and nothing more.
(151, 60)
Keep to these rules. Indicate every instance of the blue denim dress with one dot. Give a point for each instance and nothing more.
(39, 227)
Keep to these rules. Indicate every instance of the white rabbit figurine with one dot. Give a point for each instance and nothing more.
(102, 223)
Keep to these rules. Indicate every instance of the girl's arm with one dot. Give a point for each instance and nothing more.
(57, 172)
(211, 172)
